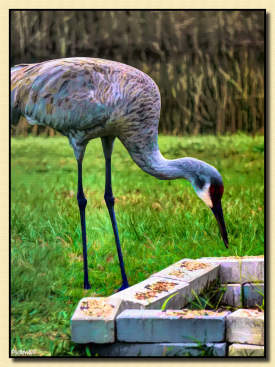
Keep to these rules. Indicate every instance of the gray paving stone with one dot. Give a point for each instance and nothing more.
(245, 326)
(230, 268)
(253, 270)
(172, 326)
(198, 278)
(232, 295)
(97, 327)
(159, 349)
(245, 350)
(239, 269)
(140, 296)
(253, 294)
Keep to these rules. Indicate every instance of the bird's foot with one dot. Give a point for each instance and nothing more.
(125, 285)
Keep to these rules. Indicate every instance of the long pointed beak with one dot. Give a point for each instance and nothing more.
(217, 211)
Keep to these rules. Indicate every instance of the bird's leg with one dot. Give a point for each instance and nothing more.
(82, 202)
(107, 143)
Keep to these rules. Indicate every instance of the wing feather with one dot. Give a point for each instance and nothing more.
(57, 94)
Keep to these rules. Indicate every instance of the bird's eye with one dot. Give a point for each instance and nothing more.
(200, 182)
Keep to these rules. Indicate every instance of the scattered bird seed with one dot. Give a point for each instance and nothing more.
(96, 308)
(178, 273)
(193, 265)
(154, 289)
(186, 313)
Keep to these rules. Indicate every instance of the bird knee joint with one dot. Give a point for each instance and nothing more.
(109, 199)
(82, 202)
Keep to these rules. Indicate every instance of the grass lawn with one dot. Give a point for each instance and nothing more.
(160, 222)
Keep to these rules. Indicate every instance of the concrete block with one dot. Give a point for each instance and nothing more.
(245, 350)
(245, 326)
(159, 349)
(235, 269)
(197, 274)
(152, 292)
(252, 270)
(232, 295)
(94, 320)
(171, 326)
(253, 294)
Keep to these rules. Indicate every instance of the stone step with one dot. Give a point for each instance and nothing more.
(232, 295)
(238, 269)
(245, 350)
(171, 326)
(94, 320)
(136, 311)
(152, 293)
(253, 294)
(245, 326)
(196, 273)
(159, 350)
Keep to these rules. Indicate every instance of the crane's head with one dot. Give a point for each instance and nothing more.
(208, 185)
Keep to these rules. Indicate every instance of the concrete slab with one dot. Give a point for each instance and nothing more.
(252, 270)
(235, 269)
(152, 292)
(253, 294)
(197, 274)
(245, 326)
(232, 295)
(172, 326)
(245, 350)
(159, 350)
(94, 320)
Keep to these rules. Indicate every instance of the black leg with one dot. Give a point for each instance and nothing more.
(82, 202)
(110, 202)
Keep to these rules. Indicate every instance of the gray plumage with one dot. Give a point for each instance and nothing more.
(86, 98)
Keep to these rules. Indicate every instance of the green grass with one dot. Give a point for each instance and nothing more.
(160, 222)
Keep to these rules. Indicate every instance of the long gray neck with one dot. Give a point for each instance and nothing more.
(152, 162)
(169, 169)
(145, 153)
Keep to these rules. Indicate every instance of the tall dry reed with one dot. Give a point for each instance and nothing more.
(209, 65)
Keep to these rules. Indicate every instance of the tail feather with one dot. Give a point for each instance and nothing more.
(15, 112)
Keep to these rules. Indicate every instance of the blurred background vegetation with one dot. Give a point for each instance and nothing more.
(209, 65)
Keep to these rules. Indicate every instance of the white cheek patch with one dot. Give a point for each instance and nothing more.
(204, 195)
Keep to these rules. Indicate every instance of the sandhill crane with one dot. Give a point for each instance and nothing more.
(86, 98)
